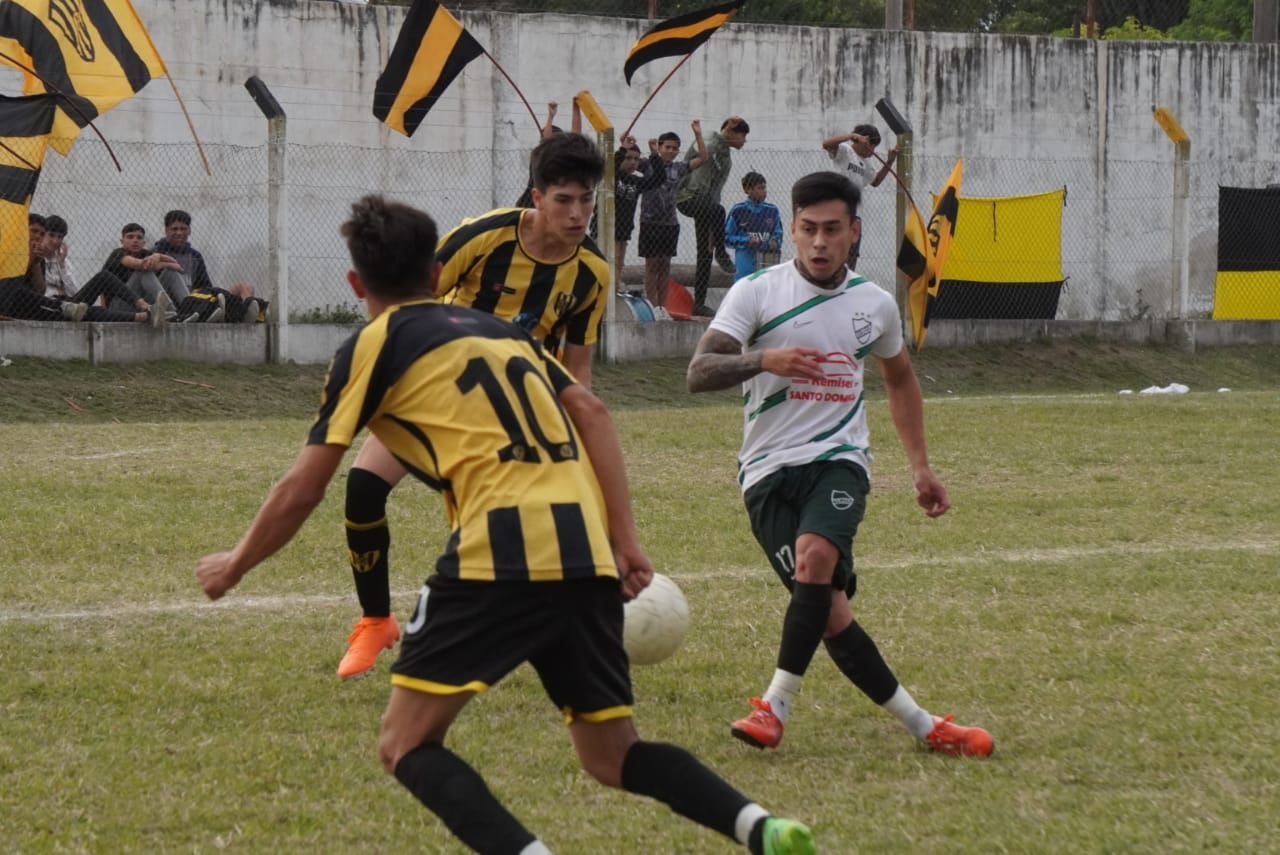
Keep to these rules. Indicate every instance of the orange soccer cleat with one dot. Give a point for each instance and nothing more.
(762, 728)
(371, 636)
(959, 741)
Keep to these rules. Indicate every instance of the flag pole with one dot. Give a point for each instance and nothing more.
(904, 188)
(199, 148)
(182, 104)
(523, 100)
(682, 61)
(4, 145)
(72, 104)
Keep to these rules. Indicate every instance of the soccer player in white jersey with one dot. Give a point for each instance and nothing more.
(797, 337)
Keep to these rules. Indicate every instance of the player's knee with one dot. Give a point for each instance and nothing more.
(606, 771)
(390, 752)
(816, 559)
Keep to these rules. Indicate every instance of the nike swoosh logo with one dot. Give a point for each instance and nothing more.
(803, 323)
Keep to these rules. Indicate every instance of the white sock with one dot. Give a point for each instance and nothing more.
(537, 847)
(782, 692)
(907, 711)
(747, 819)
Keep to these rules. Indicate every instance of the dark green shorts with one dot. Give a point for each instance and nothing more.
(827, 499)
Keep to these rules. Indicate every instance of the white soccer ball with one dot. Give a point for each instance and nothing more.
(655, 622)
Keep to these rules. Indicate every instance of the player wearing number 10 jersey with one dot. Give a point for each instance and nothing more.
(535, 267)
(544, 543)
(510, 490)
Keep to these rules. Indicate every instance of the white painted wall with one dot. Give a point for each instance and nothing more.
(1027, 114)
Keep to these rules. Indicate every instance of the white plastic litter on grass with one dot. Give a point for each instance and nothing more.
(1171, 389)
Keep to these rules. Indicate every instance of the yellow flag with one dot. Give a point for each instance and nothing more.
(93, 53)
(678, 36)
(924, 253)
(24, 129)
(432, 49)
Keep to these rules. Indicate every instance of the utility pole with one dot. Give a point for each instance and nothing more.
(1266, 20)
(893, 14)
(1091, 19)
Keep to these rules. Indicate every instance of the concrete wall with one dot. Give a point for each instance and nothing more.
(1026, 113)
(314, 344)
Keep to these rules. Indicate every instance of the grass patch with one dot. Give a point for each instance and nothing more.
(1102, 598)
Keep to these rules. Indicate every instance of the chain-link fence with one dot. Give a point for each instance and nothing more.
(1117, 251)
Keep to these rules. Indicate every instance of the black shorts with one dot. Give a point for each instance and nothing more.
(827, 499)
(658, 240)
(466, 636)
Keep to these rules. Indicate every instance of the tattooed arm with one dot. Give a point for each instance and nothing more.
(719, 363)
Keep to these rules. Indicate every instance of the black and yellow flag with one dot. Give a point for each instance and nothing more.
(1007, 264)
(432, 49)
(97, 53)
(924, 253)
(25, 124)
(678, 36)
(1247, 284)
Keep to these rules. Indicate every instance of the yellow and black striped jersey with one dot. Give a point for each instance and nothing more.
(487, 268)
(469, 404)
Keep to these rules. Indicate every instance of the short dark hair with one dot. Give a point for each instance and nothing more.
(35, 220)
(669, 136)
(392, 246)
(870, 132)
(55, 225)
(753, 179)
(132, 227)
(564, 158)
(177, 216)
(819, 187)
(740, 126)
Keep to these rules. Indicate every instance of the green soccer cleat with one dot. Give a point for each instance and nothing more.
(787, 837)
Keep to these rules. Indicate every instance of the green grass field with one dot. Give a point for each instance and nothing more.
(1103, 597)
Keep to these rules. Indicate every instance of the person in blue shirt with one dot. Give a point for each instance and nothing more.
(753, 228)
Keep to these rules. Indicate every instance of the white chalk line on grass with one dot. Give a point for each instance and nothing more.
(282, 602)
(107, 455)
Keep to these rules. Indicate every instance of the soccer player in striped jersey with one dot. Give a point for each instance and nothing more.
(797, 337)
(544, 545)
(533, 266)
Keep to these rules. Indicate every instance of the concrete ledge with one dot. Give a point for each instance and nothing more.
(1186, 335)
(622, 341)
(1226, 333)
(635, 341)
(243, 344)
(966, 333)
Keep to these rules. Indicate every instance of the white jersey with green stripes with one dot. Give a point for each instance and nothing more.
(794, 421)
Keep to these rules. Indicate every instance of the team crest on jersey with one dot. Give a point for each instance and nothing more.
(840, 500)
(862, 328)
(564, 302)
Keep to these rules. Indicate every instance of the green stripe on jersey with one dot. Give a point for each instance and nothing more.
(811, 303)
(770, 402)
(742, 467)
(839, 449)
(848, 417)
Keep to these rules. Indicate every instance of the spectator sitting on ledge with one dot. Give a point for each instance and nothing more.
(238, 302)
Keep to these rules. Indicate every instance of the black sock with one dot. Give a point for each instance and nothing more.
(858, 658)
(755, 840)
(676, 778)
(457, 794)
(369, 540)
(802, 628)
